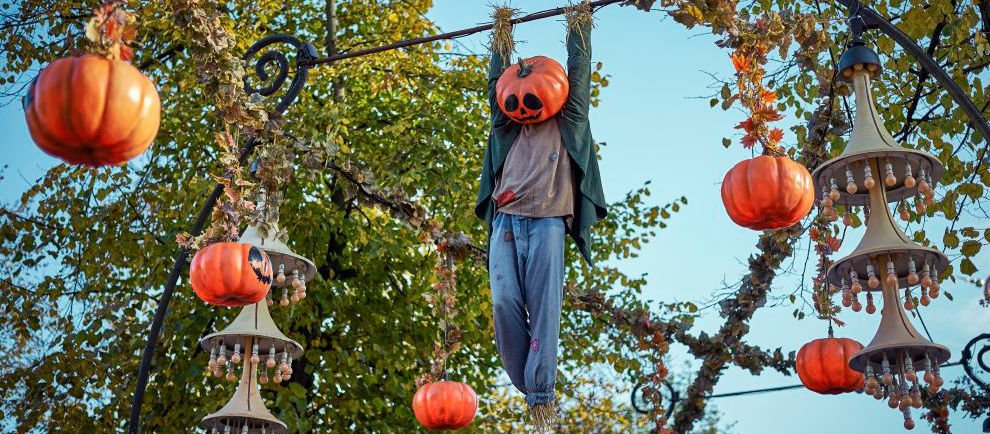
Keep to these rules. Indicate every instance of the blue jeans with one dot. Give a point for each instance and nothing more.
(526, 271)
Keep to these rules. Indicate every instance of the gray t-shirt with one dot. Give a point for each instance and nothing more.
(536, 179)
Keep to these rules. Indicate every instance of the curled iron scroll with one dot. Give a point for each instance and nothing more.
(642, 404)
(975, 360)
(271, 58)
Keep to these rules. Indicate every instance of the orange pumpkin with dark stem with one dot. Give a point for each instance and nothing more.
(92, 110)
(445, 405)
(767, 192)
(231, 274)
(823, 366)
(532, 90)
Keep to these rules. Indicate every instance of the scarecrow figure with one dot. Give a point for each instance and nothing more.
(540, 181)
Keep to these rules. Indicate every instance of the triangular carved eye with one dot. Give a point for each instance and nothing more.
(532, 102)
(512, 103)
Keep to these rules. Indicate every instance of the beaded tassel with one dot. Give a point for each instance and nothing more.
(856, 286)
(891, 274)
(935, 287)
(871, 381)
(295, 286)
(873, 282)
(230, 371)
(851, 187)
(280, 278)
(212, 365)
(271, 357)
(890, 179)
(846, 294)
(926, 278)
(909, 181)
(887, 378)
(236, 357)
(856, 306)
(909, 373)
(868, 181)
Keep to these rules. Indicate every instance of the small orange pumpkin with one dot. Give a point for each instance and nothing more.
(445, 405)
(532, 90)
(767, 192)
(92, 110)
(823, 366)
(231, 274)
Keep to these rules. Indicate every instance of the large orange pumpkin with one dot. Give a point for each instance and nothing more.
(445, 405)
(532, 90)
(92, 110)
(823, 366)
(767, 192)
(231, 274)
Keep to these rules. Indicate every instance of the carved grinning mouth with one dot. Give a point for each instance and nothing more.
(528, 118)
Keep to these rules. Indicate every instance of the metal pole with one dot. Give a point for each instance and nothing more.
(304, 52)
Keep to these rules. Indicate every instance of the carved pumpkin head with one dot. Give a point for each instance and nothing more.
(532, 90)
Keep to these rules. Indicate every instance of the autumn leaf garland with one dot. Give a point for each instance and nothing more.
(757, 100)
(110, 30)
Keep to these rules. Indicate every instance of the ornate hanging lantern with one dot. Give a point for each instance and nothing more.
(291, 269)
(253, 341)
(875, 170)
(245, 413)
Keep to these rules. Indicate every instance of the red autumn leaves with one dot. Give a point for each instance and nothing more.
(757, 100)
(111, 29)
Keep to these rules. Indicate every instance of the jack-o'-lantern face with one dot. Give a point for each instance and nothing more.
(532, 90)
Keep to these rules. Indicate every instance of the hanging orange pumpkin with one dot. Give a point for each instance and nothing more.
(532, 90)
(767, 192)
(92, 110)
(445, 405)
(231, 274)
(823, 366)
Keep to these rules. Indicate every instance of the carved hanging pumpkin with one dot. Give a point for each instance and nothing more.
(823, 366)
(92, 110)
(445, 405)
(767, 192)
(231, 274)
(532, 90)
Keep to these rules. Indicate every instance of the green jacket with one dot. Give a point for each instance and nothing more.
(575, 132)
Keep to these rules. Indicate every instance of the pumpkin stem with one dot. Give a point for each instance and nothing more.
(831, 334)
(524, 69)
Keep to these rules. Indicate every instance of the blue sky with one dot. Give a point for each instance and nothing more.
(657, 130)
